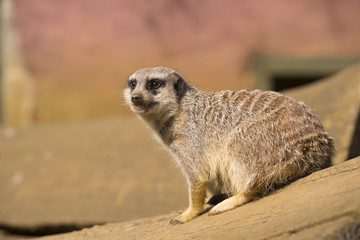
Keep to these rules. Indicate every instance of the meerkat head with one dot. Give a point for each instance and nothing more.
(155, 91)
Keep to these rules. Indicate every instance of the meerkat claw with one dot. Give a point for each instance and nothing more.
(174, 221)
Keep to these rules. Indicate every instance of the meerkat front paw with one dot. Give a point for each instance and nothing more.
(186, 216)
(175, 221)
(181, 219)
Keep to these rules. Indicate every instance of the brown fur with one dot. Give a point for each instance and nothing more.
(240, 143)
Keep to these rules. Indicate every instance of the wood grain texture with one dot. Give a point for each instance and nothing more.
(323, 205)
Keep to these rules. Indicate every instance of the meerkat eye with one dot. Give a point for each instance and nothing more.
(155, 84)
(132, 84)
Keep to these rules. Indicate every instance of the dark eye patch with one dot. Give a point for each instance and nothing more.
(132, 84)
(154, 84)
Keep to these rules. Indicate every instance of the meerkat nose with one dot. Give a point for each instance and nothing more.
(135, 98)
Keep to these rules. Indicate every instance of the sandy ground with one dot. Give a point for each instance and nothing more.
(81, 174)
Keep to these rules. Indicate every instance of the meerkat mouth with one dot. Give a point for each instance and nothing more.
(144, 108)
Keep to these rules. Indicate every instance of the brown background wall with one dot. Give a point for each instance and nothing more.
(80, 53)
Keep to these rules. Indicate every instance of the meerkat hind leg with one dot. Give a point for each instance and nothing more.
(197, 197)
(230, 203)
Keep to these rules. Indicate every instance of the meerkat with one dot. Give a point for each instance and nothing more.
(242, 144)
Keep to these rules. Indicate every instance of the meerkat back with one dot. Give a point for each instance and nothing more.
(276, 138)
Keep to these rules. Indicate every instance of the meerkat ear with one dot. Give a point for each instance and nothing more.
(180, 86)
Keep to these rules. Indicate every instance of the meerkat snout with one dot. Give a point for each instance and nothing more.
(240, 144)
(139, 104)
(135, 98)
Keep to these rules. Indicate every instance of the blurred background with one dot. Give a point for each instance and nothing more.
(72, 154)
(77, 55)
